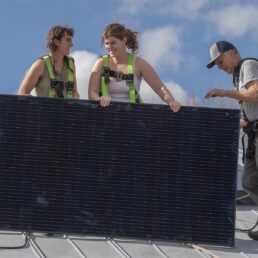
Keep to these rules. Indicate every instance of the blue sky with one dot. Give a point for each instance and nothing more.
(174, 35)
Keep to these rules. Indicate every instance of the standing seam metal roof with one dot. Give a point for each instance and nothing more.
(100, 247)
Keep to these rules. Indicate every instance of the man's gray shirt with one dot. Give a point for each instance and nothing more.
(248, 73)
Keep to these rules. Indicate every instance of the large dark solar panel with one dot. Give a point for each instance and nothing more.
(137, 171)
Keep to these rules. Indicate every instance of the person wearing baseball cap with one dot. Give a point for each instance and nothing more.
(245, 79)
(217, 50)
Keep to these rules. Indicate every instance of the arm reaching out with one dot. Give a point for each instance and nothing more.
(151, 77)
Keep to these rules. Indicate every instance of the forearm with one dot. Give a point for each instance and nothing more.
(76, 95)
(242, 96)
(94, 85)
(24, 91)
(165, 94)
(25, 94)
(169, 99)
(93, 95)
(250, 95)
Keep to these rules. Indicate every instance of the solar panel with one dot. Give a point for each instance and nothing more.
(135, 171)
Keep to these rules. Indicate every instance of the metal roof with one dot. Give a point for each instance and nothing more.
(72, 246)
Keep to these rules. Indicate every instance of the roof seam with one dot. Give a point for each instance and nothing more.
(158, 249)
(36, 249)
(118, 248)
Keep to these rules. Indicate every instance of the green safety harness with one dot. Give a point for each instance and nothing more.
(57, 87)
(129, 78)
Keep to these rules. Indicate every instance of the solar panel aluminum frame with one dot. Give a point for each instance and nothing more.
(129, 170)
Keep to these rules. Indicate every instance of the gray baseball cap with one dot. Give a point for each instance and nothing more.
(217, 49)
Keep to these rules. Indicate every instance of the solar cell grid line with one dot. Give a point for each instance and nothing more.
(135, 171)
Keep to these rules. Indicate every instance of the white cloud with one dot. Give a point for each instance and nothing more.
(161, 46)
(179, 93)
(84, 62)
(188, 9)
(234, 20)
(133, 7)
(149, 96)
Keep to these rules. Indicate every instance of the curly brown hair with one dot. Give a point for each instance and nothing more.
(57, 32)
(120, 31)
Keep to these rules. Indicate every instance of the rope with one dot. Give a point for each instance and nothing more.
(203, 250)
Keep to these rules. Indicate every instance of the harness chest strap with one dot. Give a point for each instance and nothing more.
(70, 84)
(130, 77)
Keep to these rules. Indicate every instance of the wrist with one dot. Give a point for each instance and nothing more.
(224, 93)
(170, 101)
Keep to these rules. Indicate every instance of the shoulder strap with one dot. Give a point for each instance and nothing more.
(104, 77)
(70, 82)
(105, 61)
(130, 83)
(237, 71)
(70, 69)
(47, 60)
(50, 69)
(130, 69)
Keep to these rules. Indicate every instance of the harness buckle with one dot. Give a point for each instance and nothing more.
(251, 127)
(119, 75)
(69, 86)
(106, 71)
(255, 126)
(58, 86)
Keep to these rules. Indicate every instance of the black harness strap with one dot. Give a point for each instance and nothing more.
(106, 72)
(250, 130)
(117, 75)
